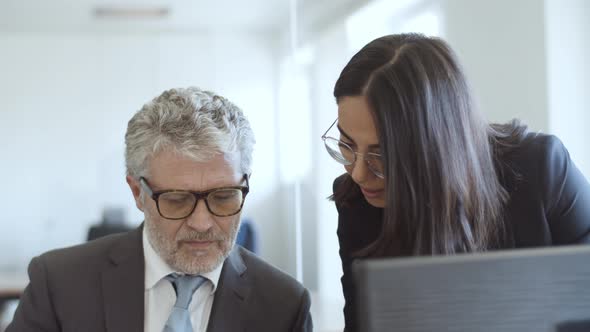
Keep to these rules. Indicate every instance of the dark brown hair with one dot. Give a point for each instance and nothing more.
(443, 188)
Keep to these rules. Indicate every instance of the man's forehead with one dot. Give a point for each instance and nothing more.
(233, 159)
(199, 159)
(183, 171)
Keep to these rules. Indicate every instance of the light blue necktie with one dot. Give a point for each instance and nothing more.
(185, 286)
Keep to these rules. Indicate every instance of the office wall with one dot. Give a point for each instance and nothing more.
(501, 45)
(527, 59)
(65, 102)
(568, 79)
(332, 56)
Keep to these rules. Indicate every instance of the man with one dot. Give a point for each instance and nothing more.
(188, 156)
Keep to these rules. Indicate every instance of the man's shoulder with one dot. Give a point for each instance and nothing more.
(265, 275)
(82, 257)
(266, 290)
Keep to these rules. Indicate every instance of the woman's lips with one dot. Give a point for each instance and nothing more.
(371, 193)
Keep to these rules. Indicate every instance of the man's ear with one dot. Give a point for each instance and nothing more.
(136, 190)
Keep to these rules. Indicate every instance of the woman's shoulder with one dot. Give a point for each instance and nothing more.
(532, 171)
(537, 145)
(547, 186)
(537, 155)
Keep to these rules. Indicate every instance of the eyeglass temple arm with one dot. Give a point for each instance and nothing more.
(332, 125)
(247, 178)
(145, 186)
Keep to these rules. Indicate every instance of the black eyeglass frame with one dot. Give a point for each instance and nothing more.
(198, 196)
(325, 137)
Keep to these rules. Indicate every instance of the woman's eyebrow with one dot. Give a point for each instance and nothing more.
(343, 133)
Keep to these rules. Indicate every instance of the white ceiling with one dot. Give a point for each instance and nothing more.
(70, 15)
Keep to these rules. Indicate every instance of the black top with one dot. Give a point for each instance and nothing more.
(549, 205)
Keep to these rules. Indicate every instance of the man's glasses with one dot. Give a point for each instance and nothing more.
(179, 204)
(345, 155)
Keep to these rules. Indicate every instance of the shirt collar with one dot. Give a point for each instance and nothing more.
(156, 269)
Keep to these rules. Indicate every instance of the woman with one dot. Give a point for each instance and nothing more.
(426, 175)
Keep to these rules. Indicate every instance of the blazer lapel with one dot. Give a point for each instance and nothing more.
(123, 284)
(229, 305)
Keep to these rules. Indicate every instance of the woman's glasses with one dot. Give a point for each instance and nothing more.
(345, 155)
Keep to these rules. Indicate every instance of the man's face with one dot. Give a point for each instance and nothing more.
(202, 241)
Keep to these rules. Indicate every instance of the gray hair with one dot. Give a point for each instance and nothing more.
(195, 123)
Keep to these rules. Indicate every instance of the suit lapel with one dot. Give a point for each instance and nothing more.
(123, 284)
(229, 305)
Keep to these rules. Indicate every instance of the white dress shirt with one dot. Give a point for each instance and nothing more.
(159, 295)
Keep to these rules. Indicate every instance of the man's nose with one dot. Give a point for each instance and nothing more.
(201, 219)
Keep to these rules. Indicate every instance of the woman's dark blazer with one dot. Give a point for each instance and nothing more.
(549, 205)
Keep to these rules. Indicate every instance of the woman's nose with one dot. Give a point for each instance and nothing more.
(360, 170)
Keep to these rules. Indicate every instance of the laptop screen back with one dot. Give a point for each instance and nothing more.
(541, 290)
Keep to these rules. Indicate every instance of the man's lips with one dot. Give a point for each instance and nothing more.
(198, 244)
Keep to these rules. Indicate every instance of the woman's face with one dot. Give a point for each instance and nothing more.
(357, 129)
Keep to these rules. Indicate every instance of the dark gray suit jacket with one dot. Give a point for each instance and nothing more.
(99, 286)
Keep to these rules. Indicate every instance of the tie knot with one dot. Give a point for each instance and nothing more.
(184, 286)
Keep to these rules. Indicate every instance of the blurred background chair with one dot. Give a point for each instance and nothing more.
(247, 236)
(113, 221)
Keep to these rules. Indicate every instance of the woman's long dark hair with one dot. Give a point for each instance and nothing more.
(443, 189)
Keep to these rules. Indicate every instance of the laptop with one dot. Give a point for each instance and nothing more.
(539, 290)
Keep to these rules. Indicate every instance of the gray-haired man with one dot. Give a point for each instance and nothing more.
(188, 156)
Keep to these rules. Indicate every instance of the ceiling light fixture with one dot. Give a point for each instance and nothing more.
(129, 12)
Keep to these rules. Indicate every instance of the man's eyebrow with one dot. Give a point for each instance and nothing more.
(343, 133)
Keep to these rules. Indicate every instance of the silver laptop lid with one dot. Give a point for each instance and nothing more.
(541, 290)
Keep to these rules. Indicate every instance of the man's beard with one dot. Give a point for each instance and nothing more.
(187, 261)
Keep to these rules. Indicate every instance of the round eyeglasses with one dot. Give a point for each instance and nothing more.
(179, 204)
(345, 155)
